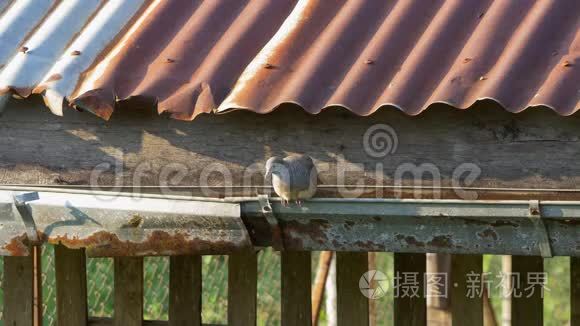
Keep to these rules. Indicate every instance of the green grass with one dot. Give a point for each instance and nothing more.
(214, 300)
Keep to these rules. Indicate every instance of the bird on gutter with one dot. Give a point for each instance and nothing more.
(294, 178)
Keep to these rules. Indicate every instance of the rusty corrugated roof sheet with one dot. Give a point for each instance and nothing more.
(192, 57)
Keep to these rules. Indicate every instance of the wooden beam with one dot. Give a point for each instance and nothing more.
(185, 291)
(574, 291)
(71, 286)
(128, 291)
(466, 290)
(40, 148)
(352, 305)
(18, 291)
(410, 305)
(527, 306)
(296, 291)
(242, 289)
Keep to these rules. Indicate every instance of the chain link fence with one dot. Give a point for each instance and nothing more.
(156, 288)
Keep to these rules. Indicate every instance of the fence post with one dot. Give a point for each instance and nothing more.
(575, 291)
(71, 286)
(466, 294)
(410, 308)
(296, 285)
(37, 286)
(185, 290)
(18, 290)
(128, 291)
(242, 289)
(352, 305)
(526, 311)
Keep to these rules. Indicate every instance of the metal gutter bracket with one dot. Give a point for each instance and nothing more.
(535, 214)
(277, 241)
(20, 201)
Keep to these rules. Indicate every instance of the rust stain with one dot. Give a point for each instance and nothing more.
(348, 224)
(294, 232)
(98, 101)
(133, 222)
(22, 92)
(18, 246)
(471, 221)
(54, 77)
(441, 241)
(158, 242)
(571, 222)
(369, 245)
(410, 240)
(499, 223)
(488, 233)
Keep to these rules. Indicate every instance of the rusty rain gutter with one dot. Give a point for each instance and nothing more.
(119, 224)
(515, 227)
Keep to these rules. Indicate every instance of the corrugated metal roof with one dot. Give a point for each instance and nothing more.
(192, 57)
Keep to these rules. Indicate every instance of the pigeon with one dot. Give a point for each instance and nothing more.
(294, 178)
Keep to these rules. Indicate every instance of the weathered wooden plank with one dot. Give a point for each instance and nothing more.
(64, 150)
(506, 302)
(466, 290)
(575, 291)
(71, 286)
(438, 306)
(18, 291)
(128, 291)
(410, 303)
(185, 291)
(242, 289)
(352, 305)
(296, 295)
(37, 284)
(527, 306)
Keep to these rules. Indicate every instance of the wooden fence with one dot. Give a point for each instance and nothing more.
(22, 302)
